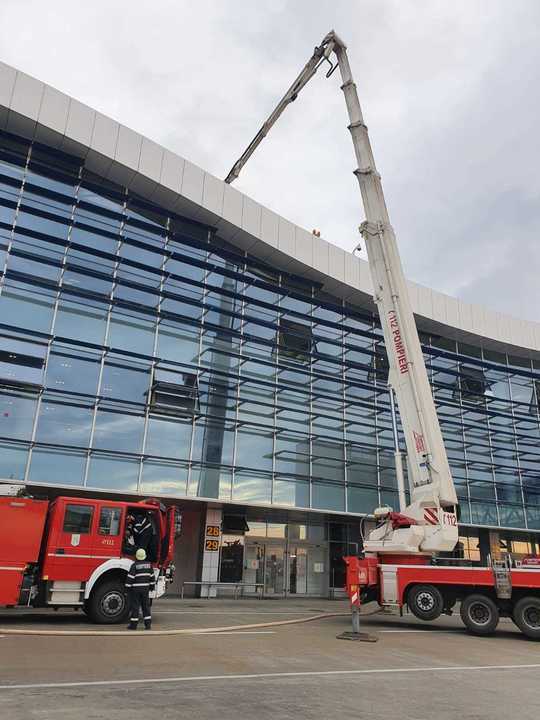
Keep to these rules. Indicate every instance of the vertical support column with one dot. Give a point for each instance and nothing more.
(211, 545)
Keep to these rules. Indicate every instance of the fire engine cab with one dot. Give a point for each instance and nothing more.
(75, 552)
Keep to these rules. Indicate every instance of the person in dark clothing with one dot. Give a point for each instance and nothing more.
(140, 581)
(143, 534)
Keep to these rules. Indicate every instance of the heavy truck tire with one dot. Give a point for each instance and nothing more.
(480, 615)
(526, 615)
(108, 603)
(425, 602)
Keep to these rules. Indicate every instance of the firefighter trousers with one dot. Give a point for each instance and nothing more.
(139, 600)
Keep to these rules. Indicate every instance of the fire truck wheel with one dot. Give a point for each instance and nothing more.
(425, 602)
(527, 616)
(108, 603)
(480, 615)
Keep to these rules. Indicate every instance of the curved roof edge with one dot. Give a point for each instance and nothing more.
(31, 108)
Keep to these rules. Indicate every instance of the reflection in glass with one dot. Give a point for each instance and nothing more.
(71, 374)
(56, 468)
(328, 497)
(164, 478)
(251, 487)
(12, 461)
(168, 438)
(115, 473)
(118, 432)
(129, 333)
(64, 424)
(80, 323)
(17, 416)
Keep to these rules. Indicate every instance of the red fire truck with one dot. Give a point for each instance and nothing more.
(72, 552)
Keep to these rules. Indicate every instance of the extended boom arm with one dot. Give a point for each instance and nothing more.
(433, 525)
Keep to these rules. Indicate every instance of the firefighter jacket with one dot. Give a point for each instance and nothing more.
(143, 532)
(141, 576)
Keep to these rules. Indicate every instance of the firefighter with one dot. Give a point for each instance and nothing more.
(143, 534)
(129, 546)
(139, 582)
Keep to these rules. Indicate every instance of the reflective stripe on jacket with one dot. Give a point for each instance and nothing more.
(141, 576)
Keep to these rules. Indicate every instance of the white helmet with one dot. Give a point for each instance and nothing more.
(140, 554)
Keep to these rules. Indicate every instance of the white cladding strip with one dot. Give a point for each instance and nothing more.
(34, 109)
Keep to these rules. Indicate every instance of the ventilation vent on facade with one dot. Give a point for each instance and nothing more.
(379, 366)
(471, 384)
(295, 340)
(175, 398)
(21, 365)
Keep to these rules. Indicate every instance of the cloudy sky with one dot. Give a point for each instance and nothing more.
(450, 91)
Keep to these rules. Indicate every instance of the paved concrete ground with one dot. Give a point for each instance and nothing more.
(296, 671)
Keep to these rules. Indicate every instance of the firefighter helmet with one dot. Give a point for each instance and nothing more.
(140, 554)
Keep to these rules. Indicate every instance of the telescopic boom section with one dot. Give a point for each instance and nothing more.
(432, 510)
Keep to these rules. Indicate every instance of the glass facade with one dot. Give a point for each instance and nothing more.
(140, 353)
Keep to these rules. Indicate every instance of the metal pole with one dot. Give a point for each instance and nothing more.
(397, 453)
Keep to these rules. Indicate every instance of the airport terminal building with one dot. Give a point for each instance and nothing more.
(164, 335)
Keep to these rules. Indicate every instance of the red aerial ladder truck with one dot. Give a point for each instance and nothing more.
(399, 567)
(71, 552)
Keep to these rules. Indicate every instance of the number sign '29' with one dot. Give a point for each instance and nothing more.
(211, 545)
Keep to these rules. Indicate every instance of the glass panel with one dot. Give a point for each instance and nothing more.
(164, 478)
(49, 466)
(113, 474)
(109, 521)
(118, 432)
(328, 497)
(295, 494)
(254, 450)
(274, 571)
(252, 488)
(133, 334)
(178, 345)
(78, 519)
(31, 313)
(16, 416)
(12, 462)
(64, 424)
(123, 383)
(362, 499)
(71, 374)
(80, 323)
(168, 438)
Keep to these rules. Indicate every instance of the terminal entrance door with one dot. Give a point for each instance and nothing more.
(295, 570)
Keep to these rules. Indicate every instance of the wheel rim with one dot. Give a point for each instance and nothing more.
(113, 603)
(531, 615)
(425, 601)
(479, 613)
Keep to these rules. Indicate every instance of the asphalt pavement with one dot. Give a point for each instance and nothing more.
(295, 671)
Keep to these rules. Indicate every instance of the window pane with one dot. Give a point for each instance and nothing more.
(113, 474)
(115, 431)
(291, 493)
(178, 345)
(72, 374)
(80, 323)
(328, 497)
(64, 424)
(168, 438)
(109, 521)
(78, 519)
(164, 478)
(254, 450)
(251, 488)
(361, 500)
(122, 383)
(12, 462)
(26, 312)
(17, 416)
(56, 468)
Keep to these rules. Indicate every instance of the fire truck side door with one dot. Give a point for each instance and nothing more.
(70, 554)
